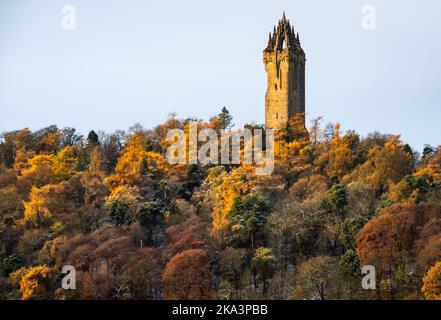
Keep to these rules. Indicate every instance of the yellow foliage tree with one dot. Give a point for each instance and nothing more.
(292, 151)
(33, 281)
(433, 168)
(43, 169)
(40, 169)
(36, 210)
(385, 166)
(431, 288)
(224, 189)
(338, 156)
(162, 129)
(23, 138)
(135, 162)
(64, 163)
(21, 159)
(95, 167)
(125, 194)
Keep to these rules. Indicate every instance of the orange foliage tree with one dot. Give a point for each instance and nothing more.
(36, 209)
(224, 188)
(385, 166)
(339, 156)
(187, 276)
(433, 168)
(142, 270)
(135, 163)
(431, 288)
(292, 151)
(392, 234)
(34, 282)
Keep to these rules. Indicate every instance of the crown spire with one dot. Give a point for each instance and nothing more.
(283, 36)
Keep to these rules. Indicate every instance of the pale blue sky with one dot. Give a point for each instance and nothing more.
(134, 61)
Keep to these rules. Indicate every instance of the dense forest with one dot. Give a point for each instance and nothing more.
(136, 227)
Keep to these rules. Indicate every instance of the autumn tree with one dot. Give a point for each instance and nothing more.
(36, 210)
(187, 276)
(339, 155)
(114, 252)
(40, 170)
(142, 270)
(222, 190)
(431, 288)
(34, 282)
(384, 166)
(428, 245)
(263, 266)
(385, 239)
(292, 151)
(431, 166)
(48, 140)
(64, 164)
(50, 168)
(192, 233)
(135, 162)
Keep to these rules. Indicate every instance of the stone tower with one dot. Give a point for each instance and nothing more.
(284, 61)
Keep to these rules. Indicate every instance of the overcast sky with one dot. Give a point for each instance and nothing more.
(132, 61)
